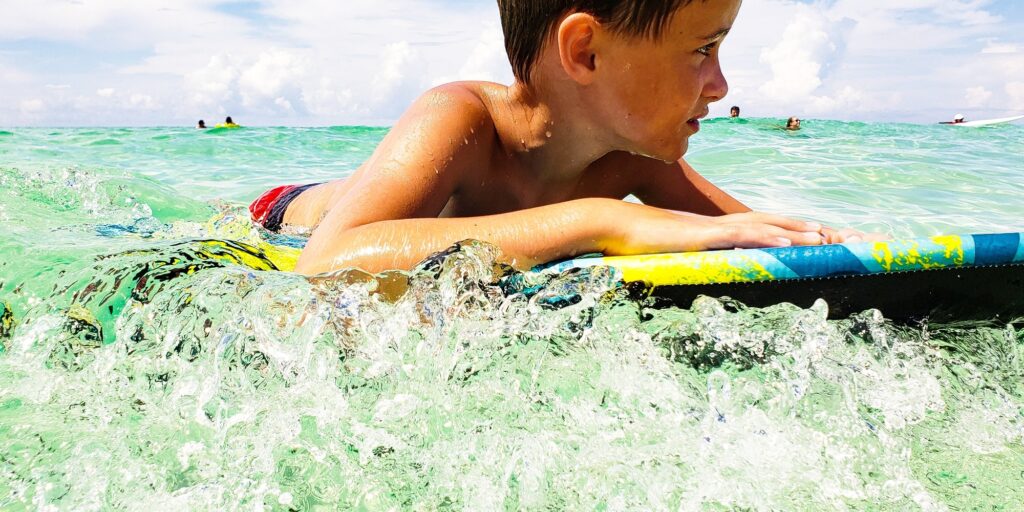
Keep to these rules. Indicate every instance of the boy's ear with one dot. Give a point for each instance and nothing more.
(576, 46)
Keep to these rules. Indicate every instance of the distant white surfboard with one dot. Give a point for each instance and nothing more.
(987, 122)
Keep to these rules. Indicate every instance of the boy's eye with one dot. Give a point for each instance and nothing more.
(706, 50)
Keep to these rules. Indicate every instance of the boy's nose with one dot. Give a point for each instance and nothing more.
(715, 84)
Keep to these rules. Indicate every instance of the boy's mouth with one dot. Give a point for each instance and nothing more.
(694, 123)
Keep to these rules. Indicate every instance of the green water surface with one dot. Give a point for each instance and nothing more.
(140, 371)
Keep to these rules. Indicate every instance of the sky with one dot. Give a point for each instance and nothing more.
(361, 62)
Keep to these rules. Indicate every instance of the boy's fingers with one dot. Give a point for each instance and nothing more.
(783, 222)
(767, 235)
(804, 237)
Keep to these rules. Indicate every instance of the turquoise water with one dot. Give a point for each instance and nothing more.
(141, 370)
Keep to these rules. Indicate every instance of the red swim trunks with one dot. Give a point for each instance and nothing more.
(268, 210)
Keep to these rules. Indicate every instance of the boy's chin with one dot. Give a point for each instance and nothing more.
(673, 156)
(683, 147)
(668, 155)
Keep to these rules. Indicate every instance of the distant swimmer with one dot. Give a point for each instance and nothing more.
(734, 112)
(228, 123)
(957, 119)
(793, 124)
(201, 125)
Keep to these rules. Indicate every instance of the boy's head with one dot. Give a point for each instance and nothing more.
(527, 23)
(641, 71)
(734, 112)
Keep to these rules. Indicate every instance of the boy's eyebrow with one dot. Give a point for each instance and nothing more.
(721, 33)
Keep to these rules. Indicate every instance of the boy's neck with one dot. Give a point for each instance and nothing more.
(549, 132)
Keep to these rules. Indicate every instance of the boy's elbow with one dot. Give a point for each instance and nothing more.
(359, 247)
(312, 265)
(319, 256)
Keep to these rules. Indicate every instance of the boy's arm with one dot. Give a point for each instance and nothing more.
(526, 238)
(678, 186)
(562, 230)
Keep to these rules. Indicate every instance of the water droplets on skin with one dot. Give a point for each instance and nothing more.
(142, 367)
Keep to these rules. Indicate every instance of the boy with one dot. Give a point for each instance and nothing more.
(607, 93)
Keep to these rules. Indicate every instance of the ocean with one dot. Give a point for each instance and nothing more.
(144, 366)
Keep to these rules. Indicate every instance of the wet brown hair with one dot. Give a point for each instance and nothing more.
(527, 23)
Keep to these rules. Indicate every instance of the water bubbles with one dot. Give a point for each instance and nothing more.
(286, 499)
(194, 367)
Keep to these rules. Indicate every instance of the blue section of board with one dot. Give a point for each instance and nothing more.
(773, 264)
(820, 261)
(996, 249)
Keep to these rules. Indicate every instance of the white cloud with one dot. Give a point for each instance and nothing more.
(283, 104)
(487, 61)
(326, 99)
(977, 96)
(99, 23)
(213, 85)
(273, 76)
(797, 62)
(1000, 48)
(12, 75)
(290, 83)
(32, 106)
(363, 61)
(142, 102)
(970, 12)
(866, 59)
(395, 59)
(1015, 91)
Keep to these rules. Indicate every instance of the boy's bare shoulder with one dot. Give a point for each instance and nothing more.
(466, 90)
(466, 101)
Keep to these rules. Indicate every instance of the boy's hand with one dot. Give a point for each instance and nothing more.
(639, 229)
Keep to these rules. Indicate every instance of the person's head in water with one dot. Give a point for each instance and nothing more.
(201, 124)
(793, 123)
(734, 112)
(959, 118)
(228, 121)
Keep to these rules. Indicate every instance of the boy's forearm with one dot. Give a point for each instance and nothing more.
(719, 201)
(526, 238)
